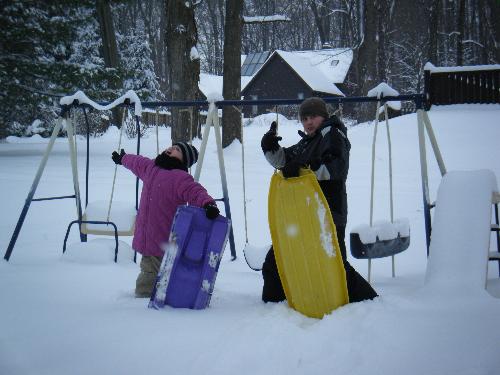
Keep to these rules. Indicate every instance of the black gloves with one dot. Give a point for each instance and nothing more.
(270, 140)
(291, 169)
(315, 164)
(117, 158)
(211, 211)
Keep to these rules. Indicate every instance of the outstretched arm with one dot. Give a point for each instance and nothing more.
(139, 165)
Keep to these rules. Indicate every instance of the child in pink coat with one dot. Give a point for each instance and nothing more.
(166, 185)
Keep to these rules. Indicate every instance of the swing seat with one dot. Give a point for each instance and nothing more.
(122, 214)
(380, 240)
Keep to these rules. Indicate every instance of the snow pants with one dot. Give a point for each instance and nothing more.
(358, 288)
(150, 265)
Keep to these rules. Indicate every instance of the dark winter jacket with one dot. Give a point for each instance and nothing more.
(327, 153)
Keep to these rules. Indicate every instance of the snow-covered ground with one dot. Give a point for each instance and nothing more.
(76, 313)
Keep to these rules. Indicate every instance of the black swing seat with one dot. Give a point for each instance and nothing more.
(382, 239)
(379, 248)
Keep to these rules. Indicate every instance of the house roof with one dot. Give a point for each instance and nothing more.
(212, 84)
(320, 69)
(253, 62)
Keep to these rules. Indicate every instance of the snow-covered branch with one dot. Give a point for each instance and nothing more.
(337, 11)
(263, 19)
(472, 42)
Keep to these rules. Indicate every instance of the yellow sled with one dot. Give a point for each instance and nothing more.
(305, 245)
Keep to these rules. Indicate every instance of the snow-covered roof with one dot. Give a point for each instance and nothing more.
(253, 62)
(320, 69)
(210, 84)
(448, 69)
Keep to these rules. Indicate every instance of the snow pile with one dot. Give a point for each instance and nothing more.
(35, 138)
(382, 90)
(213, 97)
(458, 254)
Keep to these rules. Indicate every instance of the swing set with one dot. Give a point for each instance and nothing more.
(108, 217)
(381, 239)
(104, 218)
(105, 222)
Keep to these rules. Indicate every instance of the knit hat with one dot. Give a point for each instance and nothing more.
(189, 153)
(313, 107)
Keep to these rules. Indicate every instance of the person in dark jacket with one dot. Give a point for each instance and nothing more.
(324, 148)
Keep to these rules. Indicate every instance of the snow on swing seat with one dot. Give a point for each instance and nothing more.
(381, 239)
(122, 214)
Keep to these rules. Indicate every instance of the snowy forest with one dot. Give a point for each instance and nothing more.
(49, 49)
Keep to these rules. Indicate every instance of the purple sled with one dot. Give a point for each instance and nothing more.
(192, 257)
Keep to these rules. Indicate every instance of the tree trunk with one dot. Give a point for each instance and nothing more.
(109, 49)
(212, 6)
(367, 58)
(433, 31)
(461, 31)
(184, 67)
(495, 29)
(383, 27)
(231, 87)
(323, 20)
(319, 23)
(162, 53)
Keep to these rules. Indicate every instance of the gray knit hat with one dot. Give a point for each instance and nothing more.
(313, 107)
(189, 153)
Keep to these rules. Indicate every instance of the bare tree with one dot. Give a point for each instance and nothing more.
(367, 52)
(109, 47)
(322, 17)
(460, 32)
(184, 66)
(231, 87)
(231, 117)
(433, 30)
(490, 22)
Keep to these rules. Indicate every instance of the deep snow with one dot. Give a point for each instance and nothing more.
(76, 314)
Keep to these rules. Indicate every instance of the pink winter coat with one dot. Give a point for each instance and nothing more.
(163, 191)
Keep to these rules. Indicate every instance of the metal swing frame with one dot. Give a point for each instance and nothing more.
(82, 220)
(380, 247)
(213, 120)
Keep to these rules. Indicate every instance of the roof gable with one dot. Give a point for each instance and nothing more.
(319, 69)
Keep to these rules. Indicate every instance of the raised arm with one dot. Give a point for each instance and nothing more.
(273, 152)
(139, 165)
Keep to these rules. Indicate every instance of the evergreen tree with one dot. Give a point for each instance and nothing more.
(139, 73)
(43, 56)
